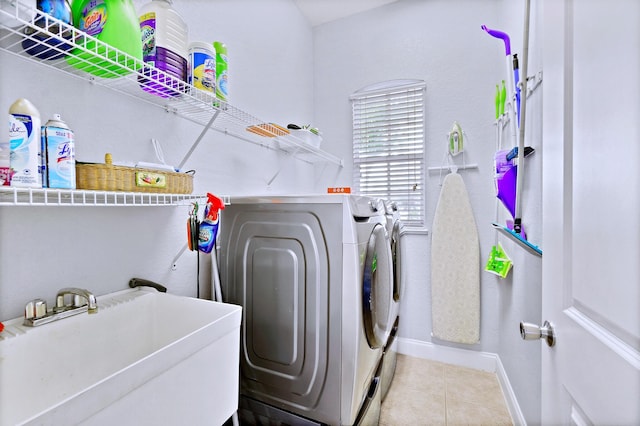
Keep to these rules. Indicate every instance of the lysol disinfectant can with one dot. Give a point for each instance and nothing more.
(58, 154)
(24, 143)
(202, 66)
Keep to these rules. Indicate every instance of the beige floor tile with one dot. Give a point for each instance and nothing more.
(425, 392)
(469, 385)
(419, 375)
(468, 413)
(418, 409)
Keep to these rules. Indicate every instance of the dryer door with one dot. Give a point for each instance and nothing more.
(377, 287)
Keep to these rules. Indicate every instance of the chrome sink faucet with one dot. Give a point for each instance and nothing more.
(78, 294)
(36, 313)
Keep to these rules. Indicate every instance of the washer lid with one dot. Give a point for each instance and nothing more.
(377, 287)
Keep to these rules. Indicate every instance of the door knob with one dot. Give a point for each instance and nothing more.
(530, 331)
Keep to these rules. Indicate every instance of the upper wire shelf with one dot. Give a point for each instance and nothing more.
(74, 197)
(25, 29)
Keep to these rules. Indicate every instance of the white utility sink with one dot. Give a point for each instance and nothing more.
(144, 358)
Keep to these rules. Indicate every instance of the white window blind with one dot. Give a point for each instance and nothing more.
(388, 145)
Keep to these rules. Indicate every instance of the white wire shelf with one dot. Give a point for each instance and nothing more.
(23, 29)
(10, 196)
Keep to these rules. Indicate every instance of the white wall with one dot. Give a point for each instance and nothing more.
(442, 43)
(45, 248)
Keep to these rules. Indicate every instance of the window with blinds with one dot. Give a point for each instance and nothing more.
(388, 145)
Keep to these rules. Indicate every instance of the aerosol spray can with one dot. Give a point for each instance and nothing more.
(58, 155)
(24, 143)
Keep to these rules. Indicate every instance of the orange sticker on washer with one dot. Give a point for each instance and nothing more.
(339, 190)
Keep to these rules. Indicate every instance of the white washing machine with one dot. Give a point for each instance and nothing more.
(389, 361)
(314, 276)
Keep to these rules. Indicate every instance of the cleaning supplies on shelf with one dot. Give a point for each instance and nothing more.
(113, 22)
(208, 229)
(42, 45)
(58, 155)
(164, 47)
(24, 140)
(202, 66)
(222, 71)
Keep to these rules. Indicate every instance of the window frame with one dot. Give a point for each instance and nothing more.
(391, 144)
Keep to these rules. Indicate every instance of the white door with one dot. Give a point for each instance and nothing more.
(591, 211)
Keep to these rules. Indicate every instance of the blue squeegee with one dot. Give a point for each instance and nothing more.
(531, 248)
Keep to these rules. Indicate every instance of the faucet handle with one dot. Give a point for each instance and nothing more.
(36, 308)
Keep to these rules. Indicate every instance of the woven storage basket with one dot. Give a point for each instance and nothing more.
(109, 177)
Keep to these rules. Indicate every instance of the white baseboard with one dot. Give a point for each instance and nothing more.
(484, 361)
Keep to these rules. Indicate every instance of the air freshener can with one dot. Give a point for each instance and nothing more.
(24, 144)
(58, 154)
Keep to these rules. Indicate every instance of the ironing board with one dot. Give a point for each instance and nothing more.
(455, 266)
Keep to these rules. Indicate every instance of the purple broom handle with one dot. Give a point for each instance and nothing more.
(501, 35)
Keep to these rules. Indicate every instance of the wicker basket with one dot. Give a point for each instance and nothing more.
(108, 177)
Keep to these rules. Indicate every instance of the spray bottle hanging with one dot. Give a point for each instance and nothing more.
(202, 235)
(209, 226)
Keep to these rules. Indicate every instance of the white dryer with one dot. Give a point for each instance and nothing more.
(395, 228)
(314, 276)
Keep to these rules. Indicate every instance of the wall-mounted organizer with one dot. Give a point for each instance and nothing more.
(29, 30)
(510, 172)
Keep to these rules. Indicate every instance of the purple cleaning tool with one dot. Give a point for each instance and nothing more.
(501, 35)
(514, 65)
(506, 188)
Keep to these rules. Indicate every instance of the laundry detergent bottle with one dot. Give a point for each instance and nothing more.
(165, 47)
(115, 23)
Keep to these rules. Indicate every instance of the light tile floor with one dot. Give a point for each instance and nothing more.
(427, 392)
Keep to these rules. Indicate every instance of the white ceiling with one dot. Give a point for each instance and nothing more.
(321, 11)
